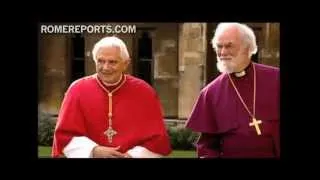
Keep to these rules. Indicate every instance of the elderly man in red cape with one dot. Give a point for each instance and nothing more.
(237, 114)
(110, 114)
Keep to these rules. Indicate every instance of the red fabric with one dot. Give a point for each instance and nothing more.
(110, 88)
(137, 116)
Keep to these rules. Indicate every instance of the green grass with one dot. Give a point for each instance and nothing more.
(45, 151)
(182, 154)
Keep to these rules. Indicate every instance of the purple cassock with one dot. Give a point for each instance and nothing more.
(223, 121)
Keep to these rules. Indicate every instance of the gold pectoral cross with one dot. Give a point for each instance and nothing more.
(256, 123)
(110, 133)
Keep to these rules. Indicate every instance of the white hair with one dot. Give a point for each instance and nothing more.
(111, 41)
(246, 33)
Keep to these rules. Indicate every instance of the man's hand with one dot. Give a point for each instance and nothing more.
(107, 152)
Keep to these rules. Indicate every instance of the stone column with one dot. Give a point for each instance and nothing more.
(53, 71)
(192, 60)
(165, 66)
(270, 52)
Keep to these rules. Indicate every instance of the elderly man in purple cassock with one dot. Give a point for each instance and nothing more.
(237, 114)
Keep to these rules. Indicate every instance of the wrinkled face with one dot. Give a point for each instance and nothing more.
(110, 65)
(231, 54)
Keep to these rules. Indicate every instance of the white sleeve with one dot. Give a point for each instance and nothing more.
(142, 152)
(79, 147)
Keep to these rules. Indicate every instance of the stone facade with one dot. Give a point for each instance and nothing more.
(192, 57)
(53, 71)
(182, 61)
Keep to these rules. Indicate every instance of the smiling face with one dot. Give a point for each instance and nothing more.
(110, 65)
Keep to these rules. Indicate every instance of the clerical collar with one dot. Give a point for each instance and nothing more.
(113, 86)
(243, 72)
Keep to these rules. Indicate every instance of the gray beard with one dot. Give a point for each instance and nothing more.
(223, 68)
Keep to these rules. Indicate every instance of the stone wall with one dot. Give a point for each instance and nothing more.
(166, 82)
(192, 61)
(183, 62)
(270, 53)
(53, 71)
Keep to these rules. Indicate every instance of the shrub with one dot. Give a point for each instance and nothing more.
(182, 138)
(46, 128)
